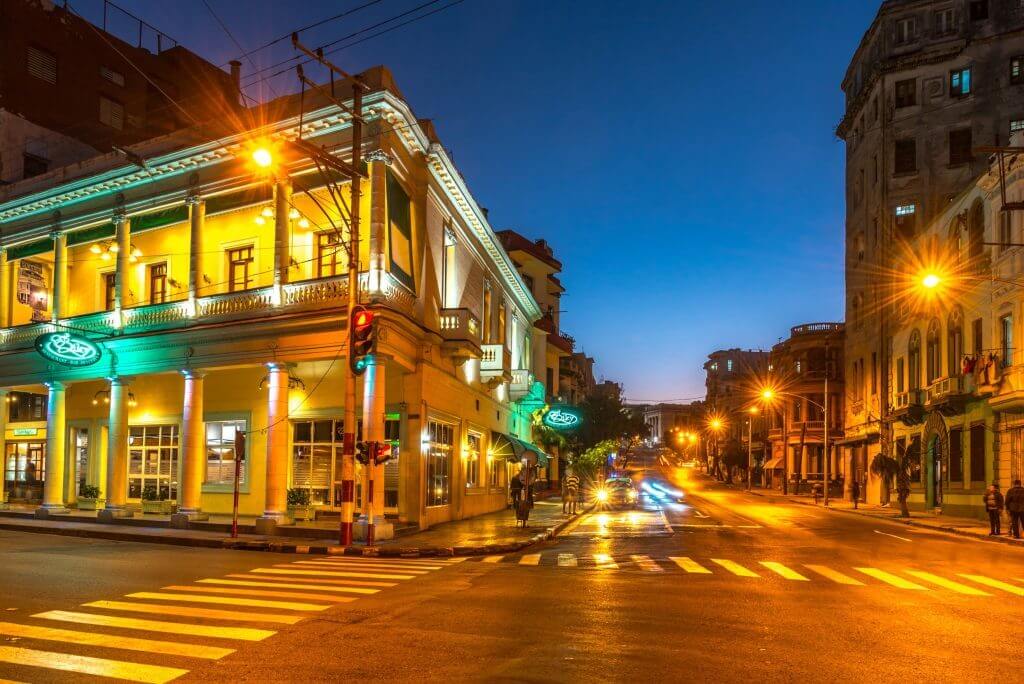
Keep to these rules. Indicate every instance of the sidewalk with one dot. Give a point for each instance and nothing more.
(489, 533)
(970, 527)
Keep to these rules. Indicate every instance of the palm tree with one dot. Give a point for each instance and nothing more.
(887, 469)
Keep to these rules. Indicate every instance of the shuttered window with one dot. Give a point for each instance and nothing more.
(960, 147)
(977, 453)
(115, 77)
(42, 64)
(111, 113)
(956, 456)
(906, 156)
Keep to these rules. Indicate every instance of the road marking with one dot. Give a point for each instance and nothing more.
(339, 573)
(226, 600)
(784, 571)
(435, 564)
(689, 565)
(734, 568)
(493, 559)
(416, 569)
(645, 563)
(605, 562)
(111, 641)
(261, 592)
(238, 633)
(361, 568)
(272, 574)
(947, 584)
(888, 578)
(837, 577)
(530, 559)
(288, 585)
(189, 611)
(566, 560)
(893, 536)
(995, 584)
(101, 667)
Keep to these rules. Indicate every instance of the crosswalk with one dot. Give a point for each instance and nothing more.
(909, 579)
(157, 635)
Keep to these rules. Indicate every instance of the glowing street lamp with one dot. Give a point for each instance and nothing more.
(931, 281)
(262, 157)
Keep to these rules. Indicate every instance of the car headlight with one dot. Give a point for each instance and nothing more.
(631, 495)
(602, 495)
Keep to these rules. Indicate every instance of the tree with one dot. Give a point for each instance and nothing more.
(733, 456)
(605, 418)
(886, 468)
(589, 462)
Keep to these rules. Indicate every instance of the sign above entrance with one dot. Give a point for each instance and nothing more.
(68, 349)
(563, 418)
(26, 432)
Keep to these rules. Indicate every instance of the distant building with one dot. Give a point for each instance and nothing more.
(930, 81)
(576, 377)
(67, 91)
(732, 377)
(799, 367)
(664, 419)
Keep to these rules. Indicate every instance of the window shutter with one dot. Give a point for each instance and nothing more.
(42, 65)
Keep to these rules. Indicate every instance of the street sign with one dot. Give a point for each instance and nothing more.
(68, 349)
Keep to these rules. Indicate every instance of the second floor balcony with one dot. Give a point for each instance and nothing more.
(495, 364)
(908, 407)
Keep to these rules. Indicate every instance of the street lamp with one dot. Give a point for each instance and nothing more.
(768, 394)
(715, 425)
(262, 157)
(753, 411)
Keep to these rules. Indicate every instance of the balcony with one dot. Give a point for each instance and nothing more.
(812, 328)
(908, 407)
(495, 365)
(521, 381)
(460, 330)
(246, 305)
(947, 395)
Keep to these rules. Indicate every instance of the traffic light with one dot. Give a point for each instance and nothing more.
(363, 452)
(383, 454)
(362, 338)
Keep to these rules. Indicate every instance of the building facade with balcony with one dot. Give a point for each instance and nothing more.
(957, 384)
(732, 380)
(800, 366)
(215, 295)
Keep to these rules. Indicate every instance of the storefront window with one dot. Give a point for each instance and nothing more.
(26, 407)
(24, 471)
(153, 460)
(220, 452)
(439, 453)
(473, 460)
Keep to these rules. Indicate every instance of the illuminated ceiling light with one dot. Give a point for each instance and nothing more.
(262, 157)
(105, 256)
(113, 247)
(132, 258)
(293, 214)
(136, 252)
(95, 248)
(260, 220)
(303, 223)
(267, 212)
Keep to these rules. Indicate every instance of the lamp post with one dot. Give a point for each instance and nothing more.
(753, 411)
(768, 394)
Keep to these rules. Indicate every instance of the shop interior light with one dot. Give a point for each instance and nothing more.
(303, 223)
(267, 212)
(293, 214)
(259, 220)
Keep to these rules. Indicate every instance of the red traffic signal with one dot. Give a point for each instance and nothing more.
(362, 338)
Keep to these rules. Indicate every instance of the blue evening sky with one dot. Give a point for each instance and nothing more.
(679, 156)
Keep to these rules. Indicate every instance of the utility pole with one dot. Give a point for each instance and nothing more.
(348, 449)
(750, 449)
(828, 369)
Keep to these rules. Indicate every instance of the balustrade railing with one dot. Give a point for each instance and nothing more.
(459, 324)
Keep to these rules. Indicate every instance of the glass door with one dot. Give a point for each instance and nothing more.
(81, 442)
(24, 471)
(153, 461)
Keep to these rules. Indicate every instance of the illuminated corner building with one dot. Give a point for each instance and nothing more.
(732, 377)
(929, 81)
(666, 420)
(536, 263)
(218, 293)
(796, 416)
(67, 93)
(957, 395)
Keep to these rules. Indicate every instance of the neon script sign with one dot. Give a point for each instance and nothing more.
(68, 349)
(562, 418)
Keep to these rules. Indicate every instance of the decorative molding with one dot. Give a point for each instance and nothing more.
(379, 155)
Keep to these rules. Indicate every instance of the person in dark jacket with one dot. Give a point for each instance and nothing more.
(1015, 507)
(994, 506)
(516, 489)
(855, 491)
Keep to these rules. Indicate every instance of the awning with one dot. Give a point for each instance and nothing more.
(514, 449)
(774, 464)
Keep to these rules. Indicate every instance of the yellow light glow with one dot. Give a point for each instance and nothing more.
(303, 223)
(114, 247)
(105, 256)
(95, 248)
(931, 281)
(260, 220)
(768, 394)
(262, 157)
(716, 424)
(754, 410)
(293, 214)
(267, 212)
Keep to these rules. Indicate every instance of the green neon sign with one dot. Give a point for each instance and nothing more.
(68, 349)
(563, 418)
(26, 432)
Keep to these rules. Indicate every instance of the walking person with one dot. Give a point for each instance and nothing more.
(855, 492)
(572, 490)
(516, 489)
(1015, 507)
(994, 506)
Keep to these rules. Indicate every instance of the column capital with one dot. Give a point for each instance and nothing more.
(119, 216)
(379, 155)
(55, 385)
(277, 366)
(193, 373)
(193, 199)
(57, 234)
(121, 380)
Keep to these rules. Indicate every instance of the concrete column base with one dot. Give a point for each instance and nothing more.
(267, 524)
(46, 510)
(383, 529)
(181, 519)
(109, 515)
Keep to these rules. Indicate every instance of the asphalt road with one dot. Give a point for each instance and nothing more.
(722, 587)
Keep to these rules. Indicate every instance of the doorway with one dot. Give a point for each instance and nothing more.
(935, 472)
(25, 471)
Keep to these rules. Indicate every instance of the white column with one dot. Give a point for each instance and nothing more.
(4, 413)
(377, 163)
(197, 221)
(56, 452)
(5, 289)
(121, 291)
(117, 452)
(275, 508)
(282, 254)
(59, 308)
(374, 383)
(193, 450)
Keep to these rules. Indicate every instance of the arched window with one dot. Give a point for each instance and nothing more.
(976, 230)
(954, 341)
(933, 351)
(914, 361)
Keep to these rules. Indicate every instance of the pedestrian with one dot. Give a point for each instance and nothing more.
(572, 490)
(855, 492)
(1015, 507)
(516, 489)
(994, 506)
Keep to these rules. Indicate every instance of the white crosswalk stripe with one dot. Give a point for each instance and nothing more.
(566, 560)
(646, 564)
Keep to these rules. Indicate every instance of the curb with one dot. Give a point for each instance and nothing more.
(912, 523)
(285, 547)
